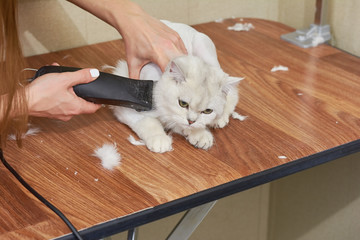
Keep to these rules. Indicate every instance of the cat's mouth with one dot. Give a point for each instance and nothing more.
(193, 125)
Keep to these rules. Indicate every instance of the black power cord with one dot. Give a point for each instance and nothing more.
(38, 196)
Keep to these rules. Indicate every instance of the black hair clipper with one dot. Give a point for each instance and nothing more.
(110, 89)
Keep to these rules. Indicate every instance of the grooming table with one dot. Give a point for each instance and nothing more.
(297, 119)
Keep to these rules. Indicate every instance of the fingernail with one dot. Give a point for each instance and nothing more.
(94, 72)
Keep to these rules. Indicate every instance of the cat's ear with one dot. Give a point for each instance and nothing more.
(175, 72)
(231, 82)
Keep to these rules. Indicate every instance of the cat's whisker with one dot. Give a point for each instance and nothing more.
(169, 125)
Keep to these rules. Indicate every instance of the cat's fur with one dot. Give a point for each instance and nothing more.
(191, 95)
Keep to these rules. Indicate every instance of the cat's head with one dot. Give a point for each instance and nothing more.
(191, 94)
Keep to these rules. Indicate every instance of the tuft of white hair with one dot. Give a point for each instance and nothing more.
(30, 132)
(317, 41)
(237, 116)
(279, 68)
(241, 27)
(108, 154)
(132, 140)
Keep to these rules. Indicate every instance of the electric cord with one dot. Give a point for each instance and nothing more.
(41, 198)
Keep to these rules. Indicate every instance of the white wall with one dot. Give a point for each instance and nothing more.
(344, 19)
(51, 25)
(321, 203)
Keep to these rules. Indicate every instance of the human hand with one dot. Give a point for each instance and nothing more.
(52, 95)
(148, 40)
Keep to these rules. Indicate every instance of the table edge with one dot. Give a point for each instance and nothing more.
(167, 209)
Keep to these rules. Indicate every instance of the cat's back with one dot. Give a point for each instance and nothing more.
(196, 43)
(185, 32)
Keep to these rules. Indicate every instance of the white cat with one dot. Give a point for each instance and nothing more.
(190, 96)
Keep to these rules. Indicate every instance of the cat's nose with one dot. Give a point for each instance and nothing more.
(190, 121)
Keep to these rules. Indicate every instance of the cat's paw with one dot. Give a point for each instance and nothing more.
(201, 139)
(221, 122)
(159, 143)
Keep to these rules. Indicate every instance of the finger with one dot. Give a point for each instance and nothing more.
(64, 118)
(82, 76)
(134, 70)
(83, 106)
(80, 106)
(163, 58)
(182, 47)
(162, 62)
(179, 45)
(88, 107)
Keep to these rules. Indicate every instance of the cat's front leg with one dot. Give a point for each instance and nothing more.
(151, 131)
(231, 101)
(200, 138)
(222, 121)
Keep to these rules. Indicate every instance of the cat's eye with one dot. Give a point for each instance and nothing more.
(183, 104)
(207, 111)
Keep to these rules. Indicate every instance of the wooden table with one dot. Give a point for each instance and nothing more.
(296, 120)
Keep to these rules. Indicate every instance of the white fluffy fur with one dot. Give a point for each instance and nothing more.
(30, 132)
(279, 68)
(108, 155)
(241, 27)
(191, 95)
(237, 116)
(132, 140)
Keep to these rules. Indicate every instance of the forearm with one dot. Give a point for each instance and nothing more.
(146, 38)
(114, 12)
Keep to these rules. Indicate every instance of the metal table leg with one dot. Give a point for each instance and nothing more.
(190, 222)
(132, 234)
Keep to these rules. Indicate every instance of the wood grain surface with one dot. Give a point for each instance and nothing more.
(309, 109)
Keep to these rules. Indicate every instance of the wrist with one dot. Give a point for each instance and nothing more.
(123, 16)
(29, 99)
(114, 12)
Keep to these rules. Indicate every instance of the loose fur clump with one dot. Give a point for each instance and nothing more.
(192, 95)
(279, 68)
(237, 116)
(132, 140)
(108, 155)
(30, 132)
